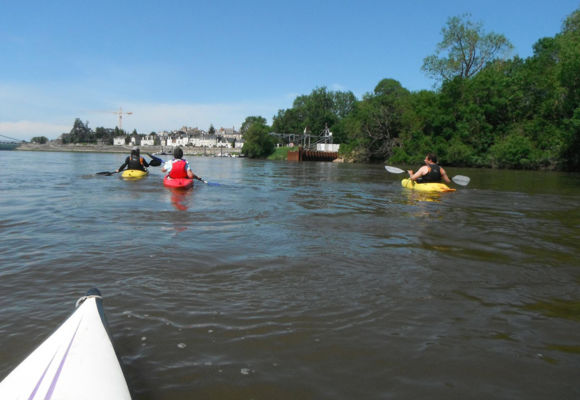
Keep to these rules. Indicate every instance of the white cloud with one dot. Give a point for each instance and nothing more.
(47, 110)
(158, 117)
(25, 130)
(146, 118)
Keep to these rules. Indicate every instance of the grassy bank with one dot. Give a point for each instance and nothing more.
(280, 153)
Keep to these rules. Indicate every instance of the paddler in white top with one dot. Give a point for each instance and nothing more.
(178, 168)
(430, 172)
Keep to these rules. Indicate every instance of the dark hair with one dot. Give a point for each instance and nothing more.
(135, 152)
(432, 157)
(178, 153)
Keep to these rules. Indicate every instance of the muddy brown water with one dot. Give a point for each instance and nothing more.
(305, 280)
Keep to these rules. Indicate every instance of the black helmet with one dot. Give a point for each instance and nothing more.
(177, 152)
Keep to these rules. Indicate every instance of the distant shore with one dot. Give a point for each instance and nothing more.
(98, 148)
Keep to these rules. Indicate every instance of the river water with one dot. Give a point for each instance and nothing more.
(283, 280)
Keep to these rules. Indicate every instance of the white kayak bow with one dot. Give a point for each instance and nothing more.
(76, 362)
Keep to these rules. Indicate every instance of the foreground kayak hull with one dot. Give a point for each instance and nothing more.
(426, 187)
(76, 362)
(178, 183)
(134, 174)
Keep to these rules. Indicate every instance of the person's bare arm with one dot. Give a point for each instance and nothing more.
(444, 175)
(414, 176)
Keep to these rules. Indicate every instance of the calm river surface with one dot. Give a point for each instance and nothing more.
(299, 280)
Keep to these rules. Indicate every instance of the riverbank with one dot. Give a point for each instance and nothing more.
(98, 148)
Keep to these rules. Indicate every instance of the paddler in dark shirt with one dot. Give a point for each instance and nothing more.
(134, 161)
(430, 172)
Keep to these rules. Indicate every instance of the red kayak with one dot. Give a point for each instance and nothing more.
(181, 183)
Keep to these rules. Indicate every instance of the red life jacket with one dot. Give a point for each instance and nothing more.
(178, 170)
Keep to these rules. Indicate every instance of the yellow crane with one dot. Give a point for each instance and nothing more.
(120, 113)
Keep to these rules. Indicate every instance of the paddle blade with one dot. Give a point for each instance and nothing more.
(394, 170)
(107, 173)
(155, 161)
(461, 180)
(207, 183)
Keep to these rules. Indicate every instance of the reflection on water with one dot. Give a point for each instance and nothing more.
(559, 308)
(299, 280)
(415, 196)
(181, 198)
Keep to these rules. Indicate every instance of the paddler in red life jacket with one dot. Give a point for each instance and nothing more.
(134, 161)
(178, 168)
(430, 172)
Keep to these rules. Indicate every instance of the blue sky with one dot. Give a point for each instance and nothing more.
(175, 63)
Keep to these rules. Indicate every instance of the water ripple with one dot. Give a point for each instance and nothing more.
(299, 280)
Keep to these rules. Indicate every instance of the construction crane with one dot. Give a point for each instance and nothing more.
(120, 113)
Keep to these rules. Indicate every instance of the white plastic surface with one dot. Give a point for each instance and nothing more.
(76, 362)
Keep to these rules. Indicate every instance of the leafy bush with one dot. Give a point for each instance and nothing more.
(514, 151)
(570, 152)
(459, 153)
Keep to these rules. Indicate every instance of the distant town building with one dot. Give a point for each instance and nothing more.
(186, 136)
(148, 140)
(229, 133)
(135, 140)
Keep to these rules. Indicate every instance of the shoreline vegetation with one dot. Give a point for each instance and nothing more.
(126, 149)
(279, 154)
(488, 111)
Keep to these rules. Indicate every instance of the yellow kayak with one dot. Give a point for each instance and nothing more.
(134, 174)
(426, 187)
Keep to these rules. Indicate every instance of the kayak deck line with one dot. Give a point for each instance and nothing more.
(76, 361)
(60, 366)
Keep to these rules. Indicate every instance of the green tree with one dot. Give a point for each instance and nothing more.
(374, 127)
(570, 80)
(104, 135)
(80, 133)
(258, 142)
(211, 130)
(464, 50)
(249, 121)
(569, 72)
(514, 151)
(570, 151)
(290, 120)
(39, 140)
(314, 112)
